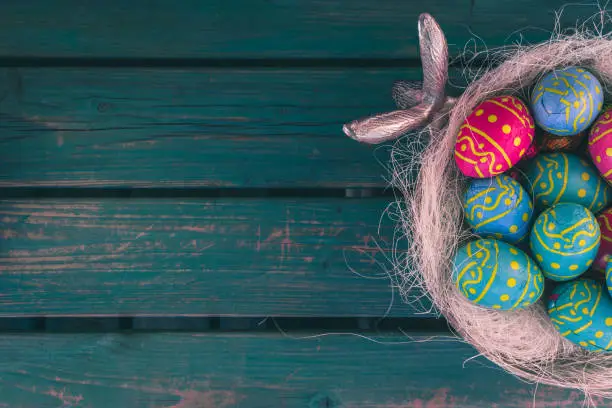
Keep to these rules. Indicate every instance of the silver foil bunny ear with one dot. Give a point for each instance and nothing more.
(417, 102)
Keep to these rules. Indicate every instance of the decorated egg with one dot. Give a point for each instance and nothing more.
(498, 207)
(604, 219)
(564, 177)
(581, 311)
(567, 101)
(609, 276)
(564, 240)
(496, 275)
(600, 144)
(494, 137)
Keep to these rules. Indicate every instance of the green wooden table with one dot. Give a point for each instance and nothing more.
(185, 225)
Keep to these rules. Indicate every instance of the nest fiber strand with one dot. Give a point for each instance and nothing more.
(523, 342)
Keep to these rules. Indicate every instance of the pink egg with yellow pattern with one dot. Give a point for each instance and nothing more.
(494, 137)
(600, 144)
(604, 219)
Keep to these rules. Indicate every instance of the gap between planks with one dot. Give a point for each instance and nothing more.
(222, 324)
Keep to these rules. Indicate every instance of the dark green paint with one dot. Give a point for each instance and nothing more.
(189, 128)
(262, 29)
(279, 257)
(199, 127)
(222, 371)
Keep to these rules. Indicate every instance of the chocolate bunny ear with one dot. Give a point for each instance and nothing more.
(388, 126)
(434, 58)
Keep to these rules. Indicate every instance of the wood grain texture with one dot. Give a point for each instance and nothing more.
(187, 128)
(226, 257)
(263, 29)
(222, 371)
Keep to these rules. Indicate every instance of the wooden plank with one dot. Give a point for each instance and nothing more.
(263, 29)
(222, 371)
(249, 257)
(186, 128)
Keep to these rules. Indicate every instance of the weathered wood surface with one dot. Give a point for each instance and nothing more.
(249, 257)
(222, 371)
(189, 128)
(269, 115)
(262, 29)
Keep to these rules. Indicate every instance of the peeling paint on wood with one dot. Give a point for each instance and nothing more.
(223, 371)
(252, 257)
(194, 126)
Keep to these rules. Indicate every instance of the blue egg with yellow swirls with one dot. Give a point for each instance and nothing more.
(567, 101)
(496, 275)
(564, 240)
(564, 177)
(581, 311)
(498, 207)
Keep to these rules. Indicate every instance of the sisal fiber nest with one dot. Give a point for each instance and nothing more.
(524, 342)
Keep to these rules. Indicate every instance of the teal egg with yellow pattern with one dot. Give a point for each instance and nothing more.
(581, 311)
(564, 177)
(564, 240)
(497, 275)
(498, 207)
(567, 101)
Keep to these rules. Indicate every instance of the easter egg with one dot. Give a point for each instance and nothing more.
(581, 311)
(498, 207)
(604, 219)
(564, 240)
(496, 275)
(609, 276)
(567, 101)
(494, 137)
(600, 144)
(564, 177)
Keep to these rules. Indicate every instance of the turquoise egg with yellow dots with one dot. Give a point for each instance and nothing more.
(498, 207)
(581, 311)
(564, 177)
(567, 101)
(497, 275)
(564, 240)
